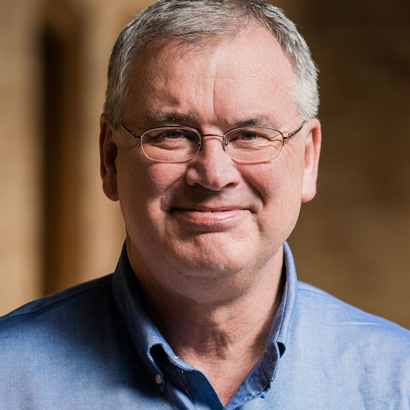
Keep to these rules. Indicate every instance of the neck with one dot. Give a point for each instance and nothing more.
(224, 340)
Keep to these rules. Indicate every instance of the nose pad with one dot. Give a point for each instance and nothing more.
(215, 137)
(212, 168)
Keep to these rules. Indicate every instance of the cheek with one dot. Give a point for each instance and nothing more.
(280, 188)
(144, 185)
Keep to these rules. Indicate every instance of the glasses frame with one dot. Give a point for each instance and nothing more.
(202, 136)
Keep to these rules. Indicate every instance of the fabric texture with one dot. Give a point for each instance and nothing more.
(93, 347)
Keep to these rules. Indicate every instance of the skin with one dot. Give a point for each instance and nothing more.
(205, 237)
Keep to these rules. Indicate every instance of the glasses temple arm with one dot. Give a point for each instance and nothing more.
(294, 132)
(129, 132)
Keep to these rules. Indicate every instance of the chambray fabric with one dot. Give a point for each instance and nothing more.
(93, 347)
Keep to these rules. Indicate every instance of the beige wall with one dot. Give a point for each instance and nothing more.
(58, 229)
(354, 238)
(20, 157)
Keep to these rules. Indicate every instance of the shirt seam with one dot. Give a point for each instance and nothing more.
(62, 298)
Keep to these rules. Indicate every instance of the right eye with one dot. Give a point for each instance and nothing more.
(171, 138)
(171, 134)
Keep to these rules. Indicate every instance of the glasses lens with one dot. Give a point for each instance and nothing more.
(253, 144)
(170, 144)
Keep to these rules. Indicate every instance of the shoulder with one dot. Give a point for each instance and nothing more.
(332, 309)
(359, 357)
(336, 320)
(70, 350)
(58, 329)
(63, 307)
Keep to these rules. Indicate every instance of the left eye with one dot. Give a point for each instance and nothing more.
(248, 136)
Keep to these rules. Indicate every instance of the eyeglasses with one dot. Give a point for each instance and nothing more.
(181, 144)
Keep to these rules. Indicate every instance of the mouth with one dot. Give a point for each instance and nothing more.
(209, 219)
(206, 210)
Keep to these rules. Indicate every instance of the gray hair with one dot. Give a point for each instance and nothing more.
(195, 22)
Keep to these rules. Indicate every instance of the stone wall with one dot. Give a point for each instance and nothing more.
(57, 228)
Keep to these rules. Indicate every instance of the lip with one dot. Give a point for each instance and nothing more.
(207, 218)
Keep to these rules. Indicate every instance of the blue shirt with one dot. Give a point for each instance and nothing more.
(93, 347)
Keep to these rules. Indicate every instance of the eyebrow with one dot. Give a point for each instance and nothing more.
(159, 116)
(260, 120)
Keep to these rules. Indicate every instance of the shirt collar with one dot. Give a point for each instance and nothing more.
(262, 375)
(143, 332)
(145, 335)
(280, 327)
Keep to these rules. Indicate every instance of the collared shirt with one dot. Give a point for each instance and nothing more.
(93, 347)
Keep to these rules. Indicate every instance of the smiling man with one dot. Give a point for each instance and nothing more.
(210, 143)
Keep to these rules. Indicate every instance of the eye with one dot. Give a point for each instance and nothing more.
(243, 136)
(249, 136)
(161, 135)
(171, 134)
(171, 138)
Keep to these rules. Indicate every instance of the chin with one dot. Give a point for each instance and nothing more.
(207, 267)
(218, 265)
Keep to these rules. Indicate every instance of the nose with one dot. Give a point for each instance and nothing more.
(212, 168)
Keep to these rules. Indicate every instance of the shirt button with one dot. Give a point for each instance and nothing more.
(158, 379)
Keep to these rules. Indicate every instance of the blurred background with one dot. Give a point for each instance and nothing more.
(58, 229)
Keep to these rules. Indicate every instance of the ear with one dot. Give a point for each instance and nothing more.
(108, 155)
(312, 153)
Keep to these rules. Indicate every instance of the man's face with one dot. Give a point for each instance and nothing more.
(211, 218)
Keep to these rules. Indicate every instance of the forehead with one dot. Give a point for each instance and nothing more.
(246, 74)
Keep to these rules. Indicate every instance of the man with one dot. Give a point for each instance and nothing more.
(210, 142)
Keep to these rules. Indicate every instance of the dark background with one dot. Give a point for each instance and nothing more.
(58, 229)
(353, 239)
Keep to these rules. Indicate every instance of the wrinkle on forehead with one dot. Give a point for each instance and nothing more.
(267, 63)
(215, 83)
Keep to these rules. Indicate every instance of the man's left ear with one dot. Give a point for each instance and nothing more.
(312, 153)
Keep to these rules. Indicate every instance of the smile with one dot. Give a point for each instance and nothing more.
(210, 219)
(210, 209)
